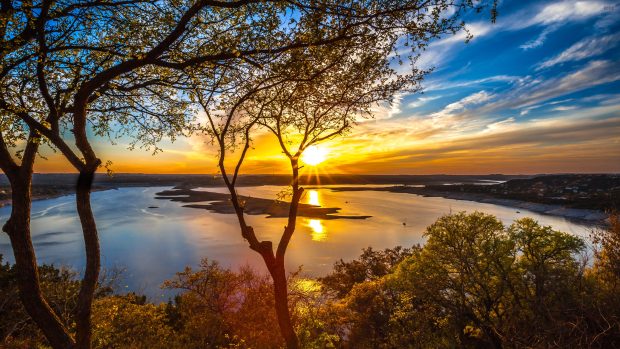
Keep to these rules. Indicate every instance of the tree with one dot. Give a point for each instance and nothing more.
(271, 102)
(607, 250)
(476, 283)
(371, 265)
(219, 304)
(602, 305)
(53, 53)
(67, 63)
(309, 95)
(61, 287)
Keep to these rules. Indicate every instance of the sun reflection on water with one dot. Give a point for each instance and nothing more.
(318, 231)
(313, 198)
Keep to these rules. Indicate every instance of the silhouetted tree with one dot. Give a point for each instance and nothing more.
(307, 96)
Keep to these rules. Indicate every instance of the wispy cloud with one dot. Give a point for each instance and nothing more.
(535, 91)
(565, 108)
(554, 15)
(473, 99)
(526, 110)
(385, 110)
(540, 40)
(551, 16)
(566, 11)
(422, 101)
(586, 48)
(503, 145)
(437, 85)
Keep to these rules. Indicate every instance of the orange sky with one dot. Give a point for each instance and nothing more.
(385, 146)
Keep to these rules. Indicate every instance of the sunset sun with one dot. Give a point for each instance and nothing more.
(314, 155)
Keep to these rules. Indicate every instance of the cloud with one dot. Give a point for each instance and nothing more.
(540, 40)
(476, 98)
(604, 98)
(565, 108)
(588, 47)
(500, 125)
(532, 107)
(422, 101)
(534, 91)
(476, 30)
(445, 85)
(439, 50)
(550, 15)
(563, 12)
(385, 110)
(553, 16)
(594, 73)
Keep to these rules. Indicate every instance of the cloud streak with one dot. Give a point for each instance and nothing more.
(586, 48)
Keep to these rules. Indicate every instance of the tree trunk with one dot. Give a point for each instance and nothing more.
(91, 273)
(280, 291)
(277, 270)
(18, 229)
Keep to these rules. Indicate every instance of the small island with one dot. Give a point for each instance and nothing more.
(220, 203)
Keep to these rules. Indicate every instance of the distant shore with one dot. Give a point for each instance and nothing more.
(49, 194)
(585, 216)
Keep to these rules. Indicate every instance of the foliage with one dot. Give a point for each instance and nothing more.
(479, 284)
(60, 285)
(220, 305)
(607, 249)
(474, 284)
(129, 322)
(371, 265)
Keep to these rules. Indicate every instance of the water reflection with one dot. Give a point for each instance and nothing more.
(313, 198)
(317, 230)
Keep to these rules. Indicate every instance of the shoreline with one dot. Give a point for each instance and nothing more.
(577, 215)
(7, 202)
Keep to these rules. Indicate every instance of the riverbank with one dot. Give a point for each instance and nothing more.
(586, 216)
(43, 193)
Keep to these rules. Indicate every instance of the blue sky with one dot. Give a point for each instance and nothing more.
(531, 44)
(536, 92)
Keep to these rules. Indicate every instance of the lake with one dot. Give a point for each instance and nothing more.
(151, 244)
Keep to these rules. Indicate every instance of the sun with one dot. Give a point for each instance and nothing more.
(314, 155)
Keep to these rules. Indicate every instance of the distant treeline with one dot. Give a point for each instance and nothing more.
(193, 180)
(589, 191)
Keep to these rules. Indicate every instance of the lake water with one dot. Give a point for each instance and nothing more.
(151, 244)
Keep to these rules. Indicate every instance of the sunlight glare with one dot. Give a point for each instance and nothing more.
(313, 198)
(318, 232)
(314, 155)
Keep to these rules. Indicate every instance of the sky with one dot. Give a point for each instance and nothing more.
(536, 92)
